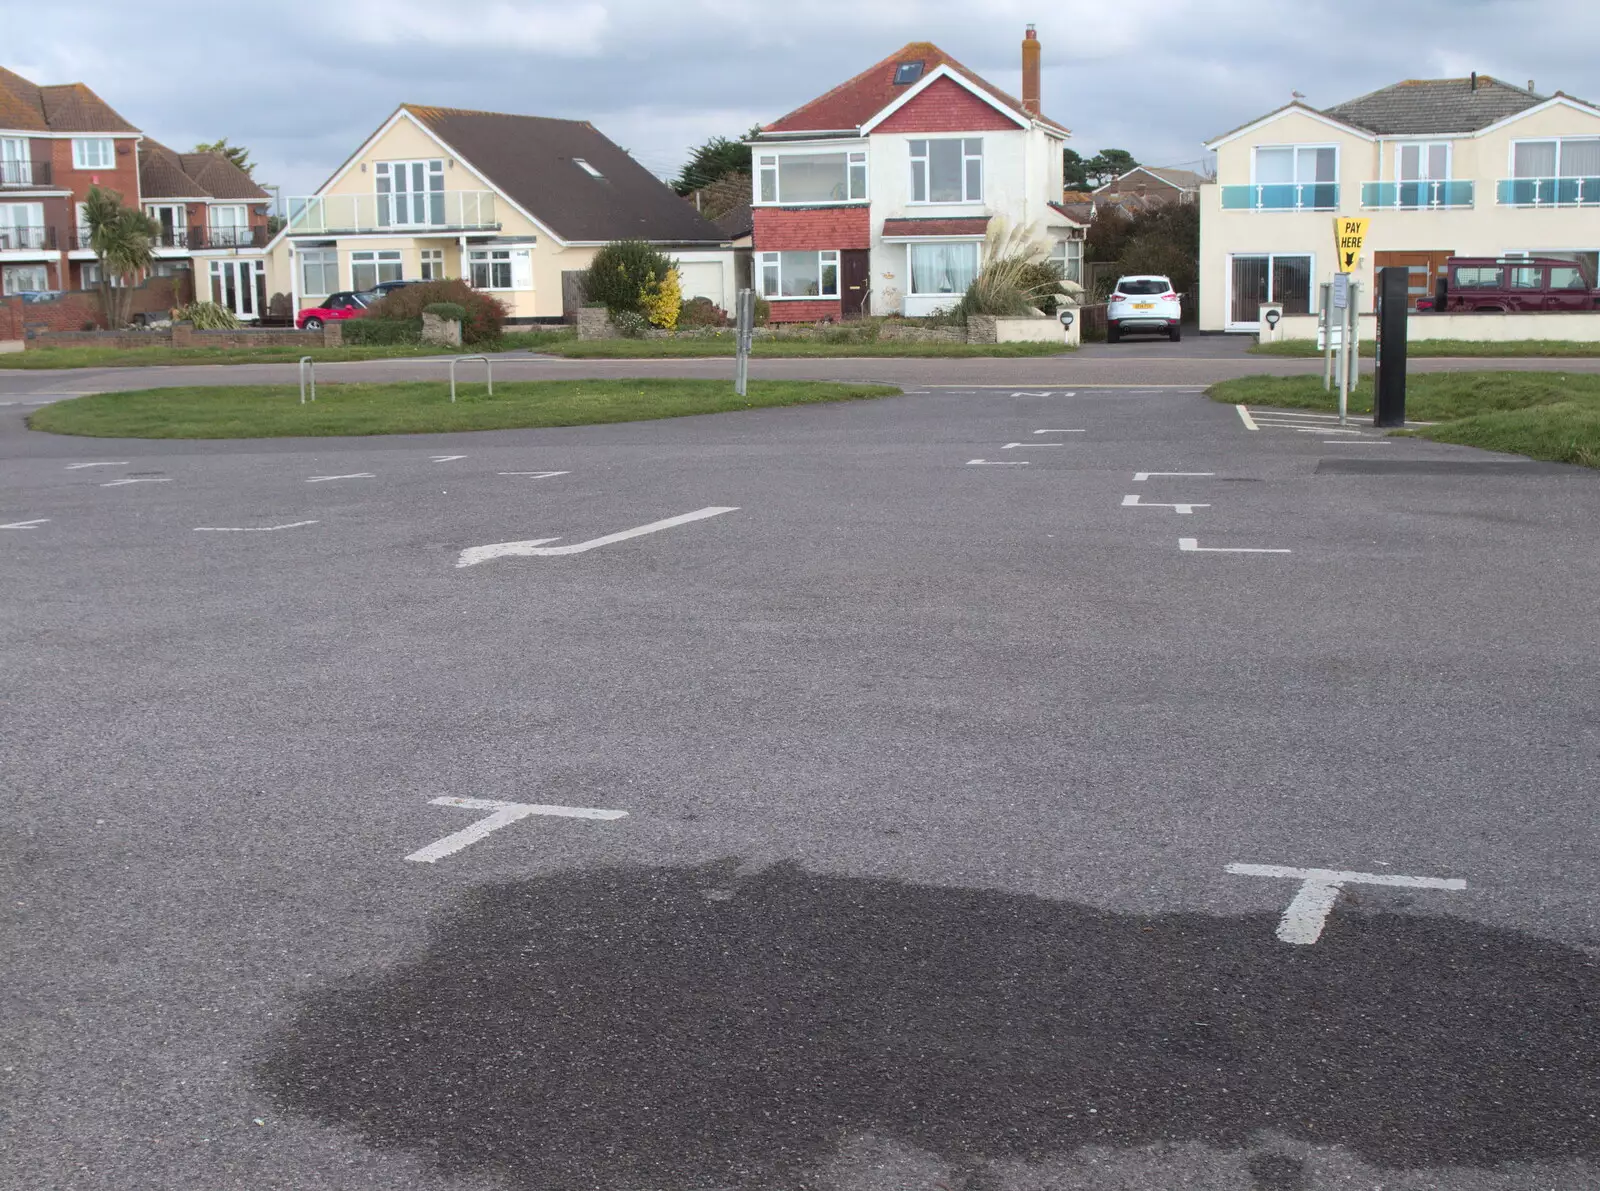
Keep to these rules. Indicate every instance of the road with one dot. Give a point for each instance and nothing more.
(984, 828)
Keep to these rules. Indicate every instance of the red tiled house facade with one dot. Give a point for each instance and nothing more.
(56, 142)
(875, 197)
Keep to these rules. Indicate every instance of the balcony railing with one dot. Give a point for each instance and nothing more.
(202, 236)
(1282, 196)
(1417, 196)
(1549, 192)
(18, 239)
(24, 173)
(432, 211)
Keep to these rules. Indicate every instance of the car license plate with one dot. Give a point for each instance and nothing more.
(1144, 305)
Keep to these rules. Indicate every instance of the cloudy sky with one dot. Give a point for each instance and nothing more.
(302, 84)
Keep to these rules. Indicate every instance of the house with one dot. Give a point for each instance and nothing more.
(1442, 167)
(1152, 186)
(516, 205)
(875, 197)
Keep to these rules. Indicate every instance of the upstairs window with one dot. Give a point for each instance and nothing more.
(1423, 163)
(93, 152)
(1569, 157)
(947, 170)
(587, 168)
(410, 193)
(907, 73)
(800, 178)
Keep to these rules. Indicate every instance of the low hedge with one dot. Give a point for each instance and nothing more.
(382, 332)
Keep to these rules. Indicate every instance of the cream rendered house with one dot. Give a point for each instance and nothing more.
(1441, 167)
(509, 203)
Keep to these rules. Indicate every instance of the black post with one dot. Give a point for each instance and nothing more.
(1389, 385)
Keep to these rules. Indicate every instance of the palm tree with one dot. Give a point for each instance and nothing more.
(121, 238)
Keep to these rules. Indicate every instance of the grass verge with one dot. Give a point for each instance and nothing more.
(1301, 349)
(1544, 415)
(645, 349)
(415, 407)
(156, 356)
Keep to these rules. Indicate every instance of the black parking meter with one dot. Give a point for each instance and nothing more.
(1394, 299)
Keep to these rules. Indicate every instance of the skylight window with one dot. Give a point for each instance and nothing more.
(907, 72)
(587, 168)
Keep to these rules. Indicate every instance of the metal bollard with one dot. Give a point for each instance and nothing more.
(488, 372)
(307, 363)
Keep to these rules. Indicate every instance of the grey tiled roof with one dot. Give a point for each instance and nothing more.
(1426, 107)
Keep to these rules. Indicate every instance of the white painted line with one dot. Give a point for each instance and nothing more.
(249, 528)
(1140, 476)
(1193, 545)
(1133, 502)
(1027, 393)
(505, 813)
(476, 554)
(1244, 416)
(1308, 911)
(1289, 413)
(447, 458)
(107, 463)
(1061, 432)
(34, 524)
(997, 463)
(357, 475)
(1012, 446)
(1345, 442)
(538, 475)
(138, 480)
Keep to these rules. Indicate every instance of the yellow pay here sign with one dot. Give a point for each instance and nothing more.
(1348, 236)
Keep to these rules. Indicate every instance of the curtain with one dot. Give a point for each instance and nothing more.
(943, 268)
(1534, 159)
(1580, 158)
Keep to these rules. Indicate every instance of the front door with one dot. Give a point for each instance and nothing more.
(853, 279)
(1425, 267)
(240, 286)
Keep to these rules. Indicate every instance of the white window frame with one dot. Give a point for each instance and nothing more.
(490, 259)
(105, 152)
(379, 260)
(431, 262)
(911, 272)
(924, 159)
(1311, 300)
(1559, 142)
(825, 257)
(15, 161)
(1068, 253)
(1295, 147)
(7, 272)
(180, 219)
(769, 168)
(1422, 147)
(432, 167)
(322, 260)
(23, 217)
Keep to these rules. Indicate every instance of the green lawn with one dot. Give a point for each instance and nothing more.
(147, 357)
(1544, 348)
(415, 407)
(1545, 415)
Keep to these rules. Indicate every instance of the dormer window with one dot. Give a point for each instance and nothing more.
(587, 168)
(907, 73)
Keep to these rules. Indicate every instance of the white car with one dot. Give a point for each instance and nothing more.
(1143, 303)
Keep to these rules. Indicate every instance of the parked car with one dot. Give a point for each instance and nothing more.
(1143, 303)
(1486, 283)
(335, 308)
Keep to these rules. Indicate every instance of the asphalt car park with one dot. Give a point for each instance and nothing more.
(857, 796)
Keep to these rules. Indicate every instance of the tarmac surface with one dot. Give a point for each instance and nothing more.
(941, 806)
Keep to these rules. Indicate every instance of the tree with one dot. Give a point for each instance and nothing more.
(1075, 170)
(712, 160)
(238, 154)
(624, 274)
(1164, 240)
(121, 238)
(1108, 164)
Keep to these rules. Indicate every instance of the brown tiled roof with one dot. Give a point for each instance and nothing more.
(161, 174)
(533, 161)
(855, 101)
(1078, 206)
(219, 177)
(975, 225)
(67, 107)
(20, 106)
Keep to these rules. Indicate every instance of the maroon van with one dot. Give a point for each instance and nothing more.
(1486, 283)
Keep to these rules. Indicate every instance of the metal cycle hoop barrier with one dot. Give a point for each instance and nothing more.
(306, 362)
(488, 373)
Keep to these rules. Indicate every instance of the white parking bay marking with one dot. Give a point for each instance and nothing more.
(1012, 446)
(1027, 393)
(1308, 911)
(1061, 432)
(137, 480)
(1192, 545)
(447, 458)
(504, 814)
(1133, 502)
(537, 547)
(250, 528)
(355, 475)
(1244, 416)
(537, 475)
(106, 463)
(1140, 476)
(997, 463)
(34, 524)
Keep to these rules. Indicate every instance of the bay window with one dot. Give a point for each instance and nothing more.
(369, 268)
(795, 178)
(800, 274)
(947, 170)
(490, 268)
(319, 271)
(93, 152)
(943, 267)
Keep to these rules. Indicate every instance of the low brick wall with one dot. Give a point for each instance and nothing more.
(183, 335)
(71, 312)
(124, 339)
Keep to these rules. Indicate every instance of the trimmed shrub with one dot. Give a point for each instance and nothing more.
(485, 315)
(701, 312)
(382, 332)
(763, 311)
(622, 273)
(451, 312)
(206, 316)
(662, 300)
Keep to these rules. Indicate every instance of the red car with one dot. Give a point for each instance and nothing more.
(1501, 284)
(335, 308)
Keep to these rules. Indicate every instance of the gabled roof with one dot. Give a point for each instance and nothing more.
(68, 107)
(1425, 107)
(533, 161)
(21, 107)
(164, 174)
(856, 101)
(219, 177)
(1179, 179)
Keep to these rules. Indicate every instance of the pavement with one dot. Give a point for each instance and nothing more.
(941, 807)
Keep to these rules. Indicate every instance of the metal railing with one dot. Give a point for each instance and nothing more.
(24, 173)
(1418, 196)
(488, 373)
(17, 239)
(1548, 192)
(1282, 196)
(439, 210)
(170, 237)
(204, 236)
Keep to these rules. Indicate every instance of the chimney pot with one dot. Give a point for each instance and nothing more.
(1030, 71)
(1474, 80)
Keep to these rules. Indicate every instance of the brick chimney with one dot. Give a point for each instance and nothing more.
(1030, 72)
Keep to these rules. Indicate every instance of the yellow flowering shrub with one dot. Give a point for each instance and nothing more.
(661, 300)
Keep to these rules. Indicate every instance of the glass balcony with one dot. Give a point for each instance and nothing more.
(1417, 196)
(1549, 192)
(1282, 196)
(416, 212)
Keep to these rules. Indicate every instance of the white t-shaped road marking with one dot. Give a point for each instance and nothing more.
(504, 813)
(1308, 911)
(1133, 502)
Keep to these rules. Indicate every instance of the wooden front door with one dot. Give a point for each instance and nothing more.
(853, 282)
(1426, 269)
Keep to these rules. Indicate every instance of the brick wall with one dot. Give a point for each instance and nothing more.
(806, 311)
(185, 336)
(780, 229)
(76, 308)
(123, 176)
(946, 106)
